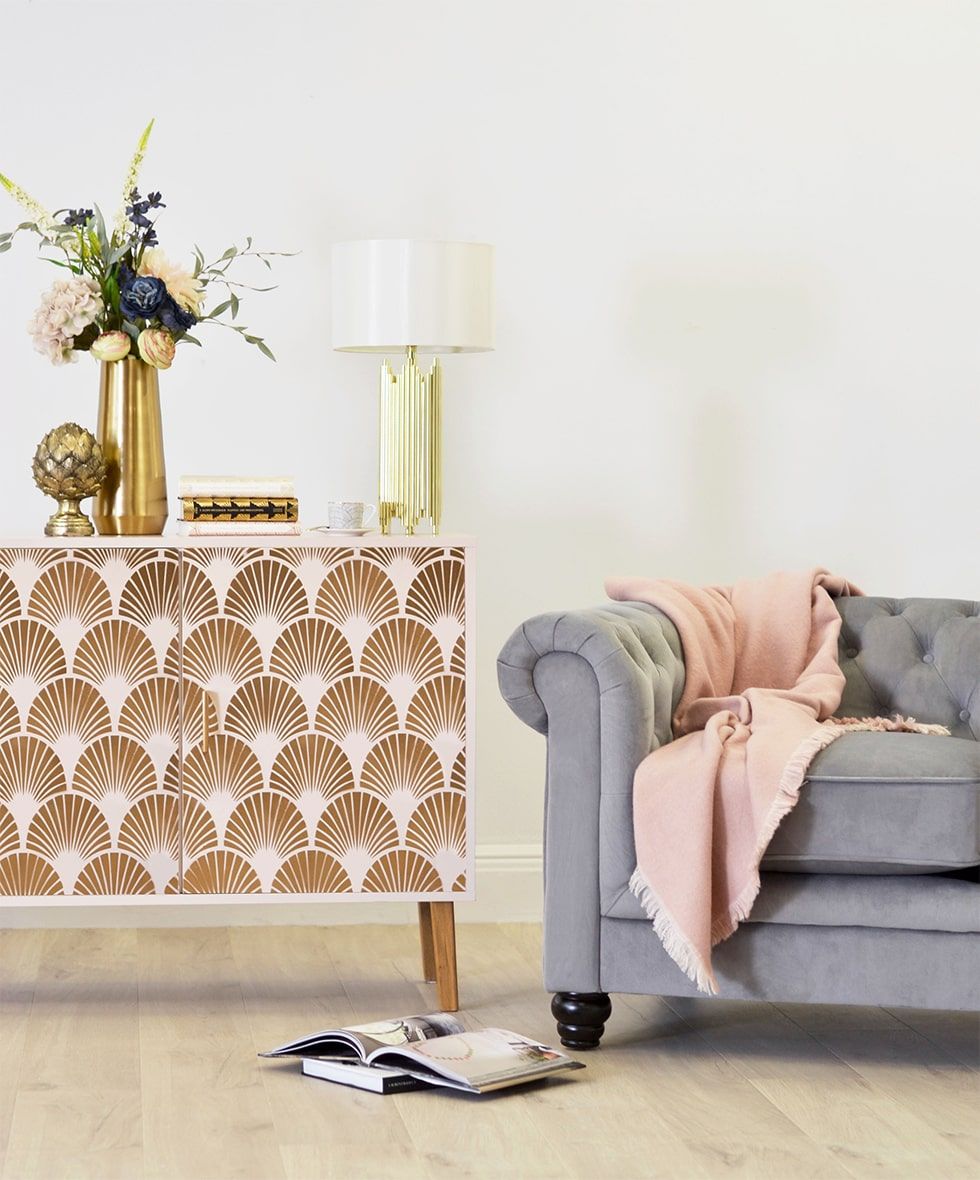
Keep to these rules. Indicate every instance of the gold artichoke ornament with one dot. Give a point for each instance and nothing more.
(69, 465)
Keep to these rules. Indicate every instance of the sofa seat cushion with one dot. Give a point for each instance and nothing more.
(882, 903)
(884, 803)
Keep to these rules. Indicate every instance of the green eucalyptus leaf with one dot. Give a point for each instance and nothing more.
(5, 246)
(219, 310)
(265, 350)
(190, 339)
(235, 302)
(229, 253)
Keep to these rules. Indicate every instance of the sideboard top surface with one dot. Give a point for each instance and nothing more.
(309, 539)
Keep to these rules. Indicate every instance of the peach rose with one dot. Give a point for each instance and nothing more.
(156, 347)
(111, 346)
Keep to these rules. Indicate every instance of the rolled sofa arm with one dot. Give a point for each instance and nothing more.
(603, 685)
(633, 649)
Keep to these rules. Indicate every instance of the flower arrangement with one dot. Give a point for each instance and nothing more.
(122, 295)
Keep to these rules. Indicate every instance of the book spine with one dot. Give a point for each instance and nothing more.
(233, 485)
(231, 528)
(240, 508)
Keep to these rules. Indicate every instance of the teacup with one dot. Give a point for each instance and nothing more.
(349, 514)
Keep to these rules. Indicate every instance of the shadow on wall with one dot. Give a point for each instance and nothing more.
(721, 336)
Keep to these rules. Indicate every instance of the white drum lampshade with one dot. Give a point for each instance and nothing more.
(421, 297)
(393, 294)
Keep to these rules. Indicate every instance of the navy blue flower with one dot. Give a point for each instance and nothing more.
(173, 317)
(79, 217)
(141, 296)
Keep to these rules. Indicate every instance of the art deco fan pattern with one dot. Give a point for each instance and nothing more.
(288, 719)
(89, 722)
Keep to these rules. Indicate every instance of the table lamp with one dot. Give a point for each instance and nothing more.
(391, 295)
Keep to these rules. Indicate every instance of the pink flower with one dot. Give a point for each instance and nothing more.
(111, 346)
(156, 347)
(65, 312)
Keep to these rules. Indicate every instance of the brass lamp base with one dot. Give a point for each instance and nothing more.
(69, 521)
(410, 452)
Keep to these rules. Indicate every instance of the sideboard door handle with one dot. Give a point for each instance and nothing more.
(208, 703)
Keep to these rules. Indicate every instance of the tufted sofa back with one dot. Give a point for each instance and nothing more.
(915, 656)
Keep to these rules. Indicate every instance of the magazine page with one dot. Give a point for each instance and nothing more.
(481, 1060)
(360, 1040)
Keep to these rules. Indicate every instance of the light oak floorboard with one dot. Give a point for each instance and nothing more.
(132, 1054)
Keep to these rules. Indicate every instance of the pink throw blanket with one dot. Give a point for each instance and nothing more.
(762, 683)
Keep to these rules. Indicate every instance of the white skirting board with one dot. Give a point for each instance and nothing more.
(508, 889)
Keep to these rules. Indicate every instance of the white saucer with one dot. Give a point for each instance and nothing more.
(325, 528)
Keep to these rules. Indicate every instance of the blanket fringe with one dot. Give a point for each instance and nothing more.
(674, 942)
(787, 796)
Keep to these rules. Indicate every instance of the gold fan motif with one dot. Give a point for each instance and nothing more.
(30, 650)
(226, 766)
(357, 822)
(69, 590)
(198, 600)
(9, 717)
(311, 871)
(152, 711)
(69, 708)
(457, 661)
(152, 828)
(263, 706)
(401, 648)
(68, 823)
(401, 762)
(439, 825)
(266, 589)
(357, 589)
(356, 705)
(9, 598)
(403, 871)
(9, 836)
(311, 648)
(312, 763)
(113, 874)
(115, 650)
(439, 707)
(219, 651)
(25, 874)
(265, 821)
(457, 777)
(221, 872)
(200, 834)
(438, 593)
(151, 595)
(459, 885)
(30, 767)
(114, 765)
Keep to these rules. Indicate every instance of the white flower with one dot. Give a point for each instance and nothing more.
(66, 310)
(180, 283)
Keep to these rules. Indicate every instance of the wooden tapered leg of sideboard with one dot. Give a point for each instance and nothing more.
(425, 938)
(443, 923)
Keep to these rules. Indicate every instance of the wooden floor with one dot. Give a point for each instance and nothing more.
(131, 1054)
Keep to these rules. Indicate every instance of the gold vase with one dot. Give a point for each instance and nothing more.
(133, 499)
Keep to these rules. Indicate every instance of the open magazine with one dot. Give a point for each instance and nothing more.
(434, 1049)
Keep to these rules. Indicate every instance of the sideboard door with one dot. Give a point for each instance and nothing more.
(89, 738)
(325, 720)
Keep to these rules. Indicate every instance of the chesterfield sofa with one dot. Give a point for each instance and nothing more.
(870, 890)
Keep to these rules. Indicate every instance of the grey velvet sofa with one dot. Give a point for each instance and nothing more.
(870, 891)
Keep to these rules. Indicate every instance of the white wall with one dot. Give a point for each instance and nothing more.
(738, 274)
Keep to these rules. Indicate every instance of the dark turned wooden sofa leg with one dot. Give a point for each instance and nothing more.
(581, 1018)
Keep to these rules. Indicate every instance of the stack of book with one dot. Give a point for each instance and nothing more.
(228, 506)
(418, 1052)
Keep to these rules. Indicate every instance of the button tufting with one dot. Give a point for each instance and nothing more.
(928, 658)
(964, 714)
(850, 652)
